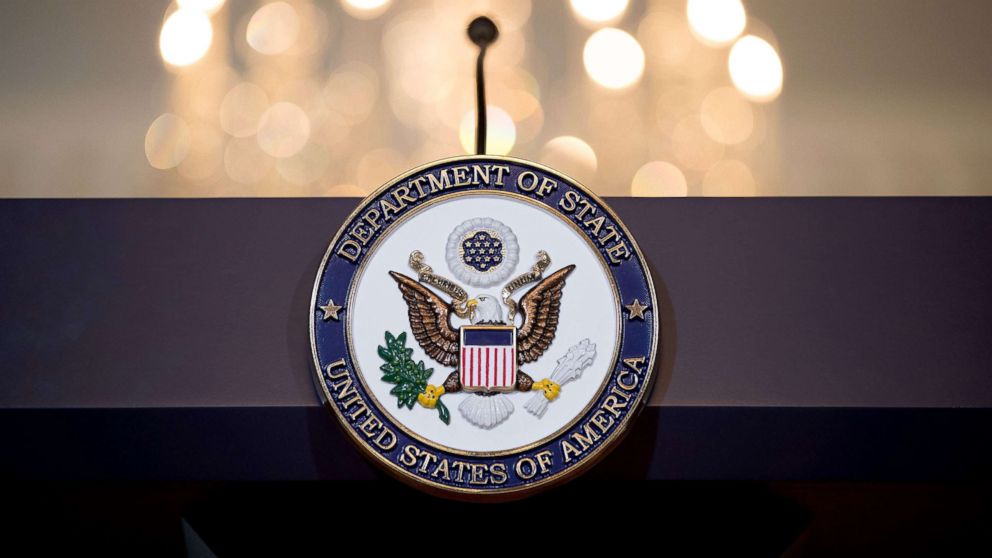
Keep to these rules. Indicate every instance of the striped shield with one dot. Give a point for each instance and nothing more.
(488, 358)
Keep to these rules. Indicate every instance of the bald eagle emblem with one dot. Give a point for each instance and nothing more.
(488, 352)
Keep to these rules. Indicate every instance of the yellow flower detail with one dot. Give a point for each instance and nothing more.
(428, 398)
(550, 389)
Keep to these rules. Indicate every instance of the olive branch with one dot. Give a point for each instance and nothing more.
(410, 377)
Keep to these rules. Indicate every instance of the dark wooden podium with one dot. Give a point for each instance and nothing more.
(803, 338)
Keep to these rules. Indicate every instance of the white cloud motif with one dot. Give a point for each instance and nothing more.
(482, 252)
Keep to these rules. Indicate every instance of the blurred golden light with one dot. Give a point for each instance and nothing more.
(205, 6)
(273, 28)
(329, 129)
(347, 191)
(167, 141)
(283, 130)
(351, 91)
(185, 38)
(413, 50)
(245, 162)
(513, 14)
(729, 178)
(716, 22)
(726, 116)
(203, 97)
(508, 52)
(524, 109)
(315, 30)
(518, 78)
(613, 58)
(407, 110)
(519, 103)
(665, 36)
(598, 11)
(755, 68)
(300, 129)
(501, 133)
(458, 97)
(242, 108)
(659, 178)
(378, 166)
(431, 150)
(306, 167)
(509, 15)
(365, 9)
(673, 103)
(692, 146)
(303, 92)
(572, 156)
(206, 154)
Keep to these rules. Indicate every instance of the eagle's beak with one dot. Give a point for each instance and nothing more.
(471, 304)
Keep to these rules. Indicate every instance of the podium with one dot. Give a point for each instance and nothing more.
(802, 339)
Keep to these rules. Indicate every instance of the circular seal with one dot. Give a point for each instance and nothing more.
(490, 387)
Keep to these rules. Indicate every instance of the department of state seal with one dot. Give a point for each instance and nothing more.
(484, 326)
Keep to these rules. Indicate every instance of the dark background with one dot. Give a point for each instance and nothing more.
(822, 385)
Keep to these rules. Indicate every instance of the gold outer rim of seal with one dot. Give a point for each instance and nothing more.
(495, 494)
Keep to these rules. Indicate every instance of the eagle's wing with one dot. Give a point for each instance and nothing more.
(540, 308)
(430, 320)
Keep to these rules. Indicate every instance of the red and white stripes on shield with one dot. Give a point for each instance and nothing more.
(488, 357)
(489, 367)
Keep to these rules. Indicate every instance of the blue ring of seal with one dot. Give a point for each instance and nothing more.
(623, 395)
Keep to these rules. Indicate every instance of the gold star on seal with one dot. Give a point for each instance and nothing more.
(331, 310)
(636, 309)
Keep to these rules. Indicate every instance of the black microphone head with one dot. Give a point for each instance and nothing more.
(482, 31)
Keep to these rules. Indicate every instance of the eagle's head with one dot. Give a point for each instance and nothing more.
(485, 310)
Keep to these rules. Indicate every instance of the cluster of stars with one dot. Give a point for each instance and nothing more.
(482, 251)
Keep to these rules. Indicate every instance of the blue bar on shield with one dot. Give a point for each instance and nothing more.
(489, 337)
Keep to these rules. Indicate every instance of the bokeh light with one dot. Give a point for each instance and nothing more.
(365, 9)
(273, 28)
(729, 178)
(726, 116)
(245, 162)
(598, 11)
(755, 68)
(523, 107)
(693, 148)
(347, 191)
(185, 38)
(377, 166)
(303, 92)
(329, 129)
(287, 99)
(206, 154)
(501, 132)
(716, 22)
(512, 14)
(572, 156)
(283, 130)
(306, 167)
(205, 6)
(666, 38)
(242, 109)
(659, 178)
(314, 32)
(167, 141)
(207, 91)
(351, 92)
(613, 58)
